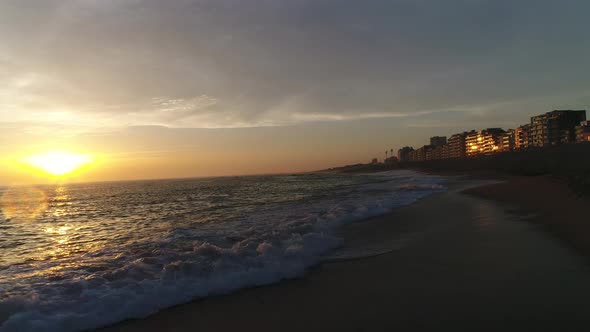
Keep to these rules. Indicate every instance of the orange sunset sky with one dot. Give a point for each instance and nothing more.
(159, 89)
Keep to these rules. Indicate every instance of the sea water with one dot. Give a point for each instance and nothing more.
(80, 256)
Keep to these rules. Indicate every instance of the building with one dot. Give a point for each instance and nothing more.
(420, 153)
(483, 142)
(456, 146)
(374, 161)
(445, 152)
(412, 155)
(435, 153)
(507, 141)
(551, 128)
(471, 144)
(403, 154)
(583, 132)
(438, 140)
(556, 127)
(522, 137)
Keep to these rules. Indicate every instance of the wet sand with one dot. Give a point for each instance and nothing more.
(455, 261)
(547, 202)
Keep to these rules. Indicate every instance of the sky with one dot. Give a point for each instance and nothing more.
(161, 89)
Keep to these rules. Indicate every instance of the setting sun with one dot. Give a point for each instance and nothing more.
(58, 163)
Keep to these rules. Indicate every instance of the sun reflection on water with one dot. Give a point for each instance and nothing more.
(62, 237)
(44, 213)
(62, 230)
(61, 202)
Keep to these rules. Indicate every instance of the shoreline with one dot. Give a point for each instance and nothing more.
(424, 273)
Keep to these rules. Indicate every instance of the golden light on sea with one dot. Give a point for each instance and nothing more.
(58, 163)
(22, 204)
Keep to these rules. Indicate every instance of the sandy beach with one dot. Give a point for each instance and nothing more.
(547, 202)
(450, 261)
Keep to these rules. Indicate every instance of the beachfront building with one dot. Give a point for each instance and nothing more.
(556, 127)
(456, 145)
(435, 152)
(482, 142)
(552, 128)
(445, 152)
(472, 144)
(438, 140)
(583, 132)
(506, 141)
(412, 155)
(403, 154)
(420, 153)
(522, 137)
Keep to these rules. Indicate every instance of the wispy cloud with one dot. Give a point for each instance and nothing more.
(228, 63)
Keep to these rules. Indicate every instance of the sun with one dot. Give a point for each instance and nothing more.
(58, 163)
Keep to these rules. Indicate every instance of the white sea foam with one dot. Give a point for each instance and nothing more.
(108, 285)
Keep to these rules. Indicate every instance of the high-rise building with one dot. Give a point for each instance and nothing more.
(413, 155)
(420, 153)
(522, 137)
(556, 127)
(438, 140)
(435, 152)
(403, 154)
(456, 145)
(506, 141)
(445, 152)
(482, 142)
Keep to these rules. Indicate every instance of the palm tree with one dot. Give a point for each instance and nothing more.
(385, 154)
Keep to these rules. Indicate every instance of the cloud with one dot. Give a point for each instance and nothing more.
(228, 63)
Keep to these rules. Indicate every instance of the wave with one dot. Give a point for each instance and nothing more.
(196, 262)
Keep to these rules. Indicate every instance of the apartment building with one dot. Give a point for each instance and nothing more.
(556, 127)
(456, 145)
(435, 152)
(482, 142)
(404, 154)
(438, 140)
(522, 137)
(507, 141)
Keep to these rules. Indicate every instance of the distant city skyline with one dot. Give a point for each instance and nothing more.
(163, 89)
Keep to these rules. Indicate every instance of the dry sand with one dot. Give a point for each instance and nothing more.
(456, 262)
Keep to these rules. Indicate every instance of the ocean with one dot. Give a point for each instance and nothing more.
(81, 256)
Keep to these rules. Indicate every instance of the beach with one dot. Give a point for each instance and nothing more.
(450, 261)
(548, 202)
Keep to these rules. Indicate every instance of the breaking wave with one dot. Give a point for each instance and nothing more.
(131, 249)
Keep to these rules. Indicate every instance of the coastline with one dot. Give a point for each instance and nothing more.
(477, 265)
